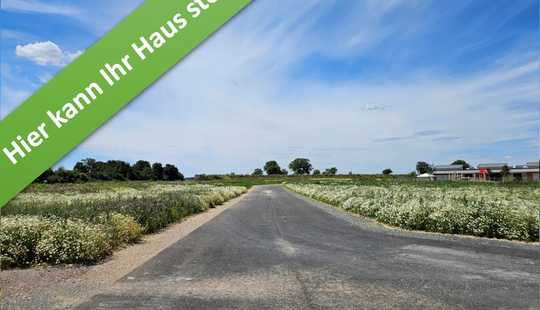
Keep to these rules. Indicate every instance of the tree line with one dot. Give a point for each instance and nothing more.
(299, 166)
(113, 170)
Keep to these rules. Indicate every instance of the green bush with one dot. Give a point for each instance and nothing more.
(71, 242)
(19, 236)
(121, 228)
(82, 227)
(26, 240)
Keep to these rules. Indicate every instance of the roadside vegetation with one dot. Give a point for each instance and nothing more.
(83, 223)
(484, 210)
(80, 216)
(90, 169)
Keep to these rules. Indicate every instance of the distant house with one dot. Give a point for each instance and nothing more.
(529, 172)
(448, 172)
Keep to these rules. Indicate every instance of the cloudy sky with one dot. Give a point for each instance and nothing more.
(361, 85)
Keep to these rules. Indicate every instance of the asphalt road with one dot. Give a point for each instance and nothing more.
(275, 250)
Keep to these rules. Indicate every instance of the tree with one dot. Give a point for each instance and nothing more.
(331, 171)
(423, 167)
(142, 170)
(44, 176)
(157, 171)
(387, 171)
(114, 170)
(62, 175)
(284, 172)
(102, 171)
(272, 168)
(204, 177)
(171, 173)
(80, 167)
(85, 166)
(301, 166)
(257, 172)
(463, 163)
(505, 173)
(316, 172)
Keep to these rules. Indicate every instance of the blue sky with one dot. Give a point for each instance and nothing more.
(360, 85)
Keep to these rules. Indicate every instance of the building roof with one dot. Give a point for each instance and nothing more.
(443, 172)
(533, 164)
(492, 166)
(524, 170)
(447, 167)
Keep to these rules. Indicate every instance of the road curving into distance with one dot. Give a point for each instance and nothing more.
(275, 250)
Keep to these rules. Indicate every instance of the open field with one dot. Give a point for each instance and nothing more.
(273, 249)
(485, 210)
(375, 180)
(83, 223)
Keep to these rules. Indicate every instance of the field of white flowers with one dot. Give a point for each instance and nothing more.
(486, 211)
(64, 224)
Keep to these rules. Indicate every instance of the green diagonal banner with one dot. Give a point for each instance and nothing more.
(110, 74)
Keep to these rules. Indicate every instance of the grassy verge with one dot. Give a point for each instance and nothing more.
(495, 212)
(67, 224)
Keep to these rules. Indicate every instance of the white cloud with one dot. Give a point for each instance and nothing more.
(45, 53)
(34, 6)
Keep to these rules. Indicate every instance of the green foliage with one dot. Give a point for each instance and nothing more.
(113, 170)
(505, 171)
(19, 236)
(316, 172)
(301, 166)
(463, 163)
(62, 176)
(257, 172)
(81, 223)
(171, 173)
(44, 176)
(330, 171)
(423, 167)
(157, 172)
(272, 168)
(26, 240)
(69, 242)
(110, 170)
(208, 177)
(120, 228)
(142, 170)
(387, 172)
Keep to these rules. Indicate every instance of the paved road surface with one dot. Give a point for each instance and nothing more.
(275, 250)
